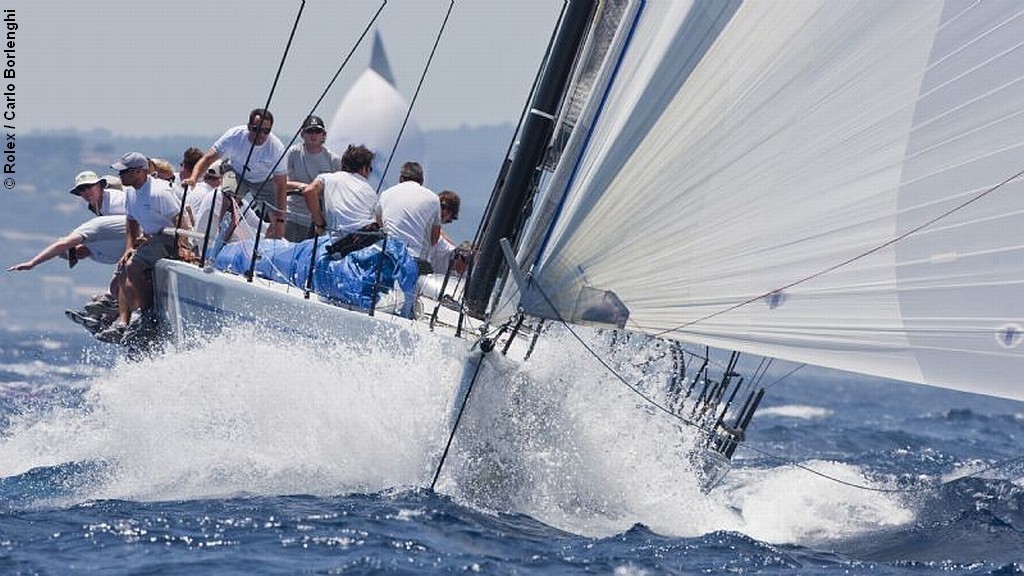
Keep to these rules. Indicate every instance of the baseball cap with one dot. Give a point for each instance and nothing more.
(215, 170)
(313, 122)
(131, 160)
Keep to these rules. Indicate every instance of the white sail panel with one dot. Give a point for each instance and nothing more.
(802, 193)
(371, 114)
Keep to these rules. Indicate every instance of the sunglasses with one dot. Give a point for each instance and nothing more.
(314, 131)
(258, 130)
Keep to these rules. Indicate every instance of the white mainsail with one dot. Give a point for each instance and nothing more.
(836, 183)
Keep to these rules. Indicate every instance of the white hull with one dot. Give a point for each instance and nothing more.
(196, 303)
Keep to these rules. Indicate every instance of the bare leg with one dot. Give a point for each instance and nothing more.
(131, 291)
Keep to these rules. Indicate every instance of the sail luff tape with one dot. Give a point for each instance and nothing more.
(542, 114)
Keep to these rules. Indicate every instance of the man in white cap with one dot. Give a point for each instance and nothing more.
(257, 157)
(100, 239)
(102, 198)
(306, 160)
(151, 206)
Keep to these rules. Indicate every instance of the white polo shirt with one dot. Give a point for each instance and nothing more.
(153, 205)
(112, 202)
(104, 237)
(409, 211)
(234, 146)
(349, 202)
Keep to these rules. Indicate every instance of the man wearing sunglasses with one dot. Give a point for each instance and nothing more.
(150, 206)
(444, 253)
(307, 160)
(264, 176)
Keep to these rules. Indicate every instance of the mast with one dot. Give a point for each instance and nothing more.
(505, 219)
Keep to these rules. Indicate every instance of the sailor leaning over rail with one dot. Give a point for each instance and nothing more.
(100, 238)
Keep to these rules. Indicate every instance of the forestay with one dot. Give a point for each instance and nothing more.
(836, 183)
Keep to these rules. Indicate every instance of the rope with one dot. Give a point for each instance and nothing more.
(323, 94)
(615, 373)
(783, 459)
(485, 349)
(784, 376)
(270, 95)
(416, 94)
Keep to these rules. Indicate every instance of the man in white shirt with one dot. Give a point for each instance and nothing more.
(151, 206)
(100, 238)
(444, 254)
(349, 202)
(207, 196)
(102, 199)
(411, 212)
(253, 152)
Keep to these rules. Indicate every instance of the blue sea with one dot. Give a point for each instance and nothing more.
(249, 455)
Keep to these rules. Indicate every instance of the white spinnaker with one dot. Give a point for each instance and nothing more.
(371, 114)
(809, 137)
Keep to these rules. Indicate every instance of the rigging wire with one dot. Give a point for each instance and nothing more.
(615, 373)
(784, 376)
(323, 94)
(270, 96)
(330, 84)
(416, 94)
(853, 259)
(786, 460)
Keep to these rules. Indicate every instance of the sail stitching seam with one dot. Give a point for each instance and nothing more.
(853, 259)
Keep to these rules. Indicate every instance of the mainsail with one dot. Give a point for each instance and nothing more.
(836, 183)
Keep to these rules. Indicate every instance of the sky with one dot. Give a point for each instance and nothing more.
(190, 67)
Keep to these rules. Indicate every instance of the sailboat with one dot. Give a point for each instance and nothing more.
(838, 184)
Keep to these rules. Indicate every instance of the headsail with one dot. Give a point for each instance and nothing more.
(837, 183)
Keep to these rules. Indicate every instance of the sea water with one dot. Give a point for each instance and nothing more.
(249, 454)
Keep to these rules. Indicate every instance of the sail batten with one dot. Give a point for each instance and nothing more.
(836, 183)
